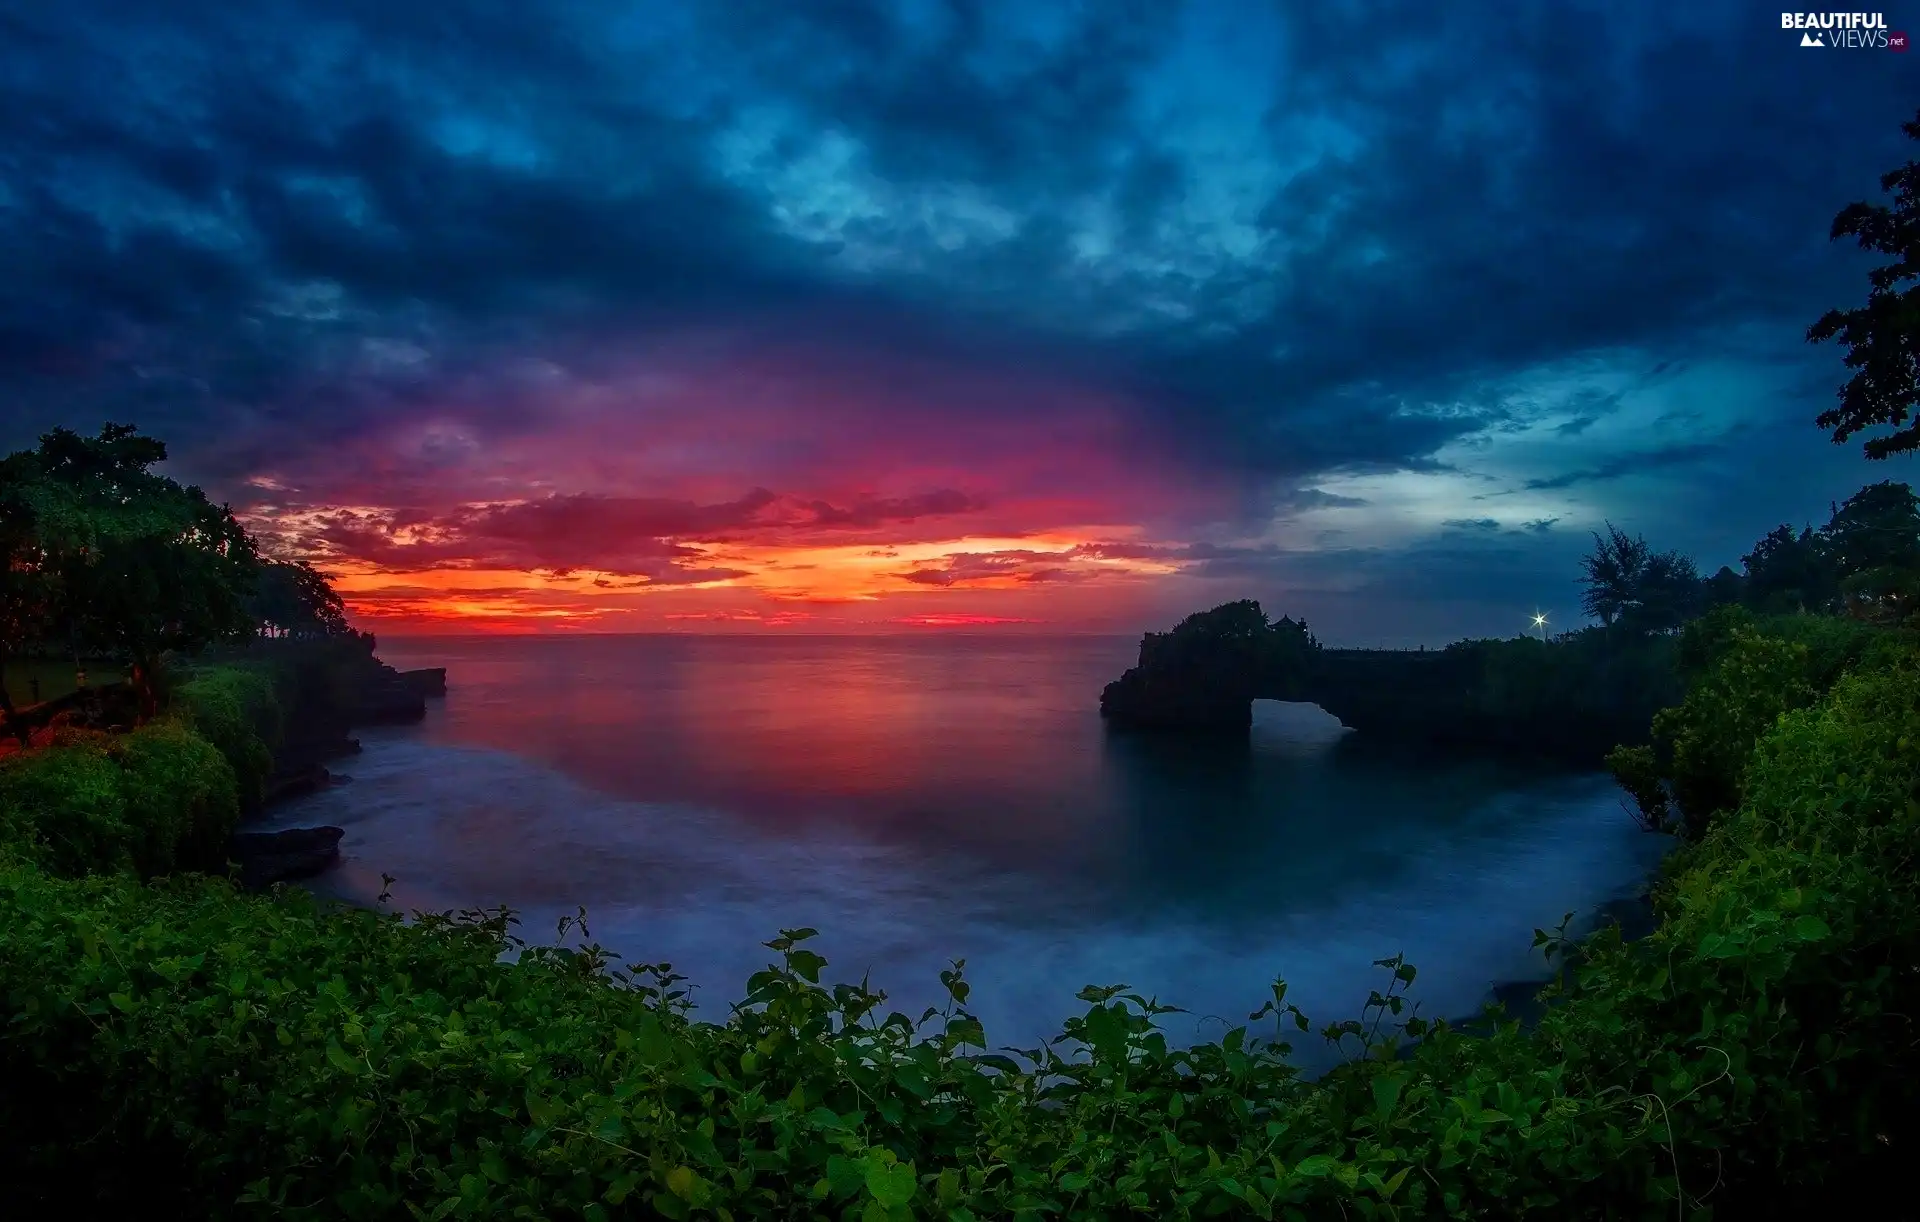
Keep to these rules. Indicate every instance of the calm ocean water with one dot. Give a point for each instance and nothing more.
(922, 799)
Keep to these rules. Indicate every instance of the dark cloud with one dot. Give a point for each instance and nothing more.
(1320, 242)
(1622, 465)
(1318, 498)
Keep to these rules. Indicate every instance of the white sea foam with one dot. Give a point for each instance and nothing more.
(464, 826)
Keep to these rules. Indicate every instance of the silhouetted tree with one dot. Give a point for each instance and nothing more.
(1873, 540)
(1725, 588)
(1612, 574)
(1234, 637)
(144, 565)
(1876, 527)
(1631, 586)
(1882, 337)
(1667, 595)
(293, 598)
(26, 587)
(1789, 572)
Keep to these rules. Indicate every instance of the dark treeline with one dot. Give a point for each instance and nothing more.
(1573, 698)
(102, 558)
(1864, 562)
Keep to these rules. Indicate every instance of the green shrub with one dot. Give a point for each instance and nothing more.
(180, 796)
(1745, 672)
(64, 807)
(238, 710)
(145, 802)
(266, 1054)
(1797, 920)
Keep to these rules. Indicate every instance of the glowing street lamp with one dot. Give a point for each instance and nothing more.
(1540, 622)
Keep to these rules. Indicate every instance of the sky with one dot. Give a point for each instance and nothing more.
(982, 315)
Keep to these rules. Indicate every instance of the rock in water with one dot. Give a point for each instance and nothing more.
(428, 681)
(266, 858)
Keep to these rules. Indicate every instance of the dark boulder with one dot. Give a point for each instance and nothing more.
(428, 681)
(385, 701)
(286, 781)
(266, 858)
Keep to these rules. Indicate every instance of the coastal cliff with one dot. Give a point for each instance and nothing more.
(327, 688)
(1203, 676)
(1571, 699)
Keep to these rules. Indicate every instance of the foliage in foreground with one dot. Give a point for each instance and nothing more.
(250, 1055)
(1744, 672)
(237, 709)
(149, 802)
(165, 797)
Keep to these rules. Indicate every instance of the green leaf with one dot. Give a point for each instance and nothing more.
(1811, 929)
(685, 1183)
(892, 1186)
(806, 965)
(341, 1059)
(1386, 1093)
(825, 1118)
(1393, 1183)
(844, 1175)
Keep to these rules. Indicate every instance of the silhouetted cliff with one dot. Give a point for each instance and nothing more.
(1572, 699)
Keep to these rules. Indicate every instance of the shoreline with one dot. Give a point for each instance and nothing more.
(1519, 997)
(318, 732)
(336, 686)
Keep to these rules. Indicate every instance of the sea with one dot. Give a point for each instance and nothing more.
(925, 799)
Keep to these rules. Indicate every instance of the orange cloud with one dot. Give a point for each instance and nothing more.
(960, 621)
(744, 494)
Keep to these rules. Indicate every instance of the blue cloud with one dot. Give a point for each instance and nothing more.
(1304, 242)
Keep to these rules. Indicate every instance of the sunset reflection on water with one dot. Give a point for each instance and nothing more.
(925, 799)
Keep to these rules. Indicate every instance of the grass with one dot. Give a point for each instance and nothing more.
(55, 676)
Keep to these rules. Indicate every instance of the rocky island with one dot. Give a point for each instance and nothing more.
(1571, 699)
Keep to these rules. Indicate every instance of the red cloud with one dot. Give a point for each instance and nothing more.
(960, 621)
(748, 475)
(628, 536)
(995, 569)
